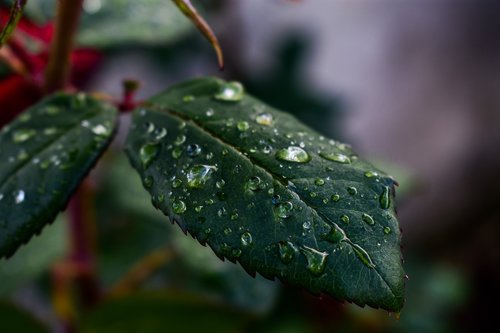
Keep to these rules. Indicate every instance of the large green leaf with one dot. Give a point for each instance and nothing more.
(263, 189)
(44, 154)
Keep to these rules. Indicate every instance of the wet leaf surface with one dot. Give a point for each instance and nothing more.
(45, 153)
(263, 189)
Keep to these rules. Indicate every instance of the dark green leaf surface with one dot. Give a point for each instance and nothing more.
(262, 189)
(44, 154)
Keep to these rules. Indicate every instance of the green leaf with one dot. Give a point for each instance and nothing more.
(263, 189)
(113, 23)
(162, 312)
(45, 154)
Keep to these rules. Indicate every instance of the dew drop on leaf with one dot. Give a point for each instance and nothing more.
(371, 174)
(179, 207)
(230, 91)
(23, 135)
(286, 251)
(264, 119)
(335, 197)
(198, 175)
(246, 239)
(319, 181)
(148, 153)
(336, 157)
(368, 219)
(316, 260)
(19, 196)
(253, 183)
(352, 190)
(385, 200)
(293, 154)
(362, 255)
(283, 210)
(242, 126)
(387, 230)
(193, 150)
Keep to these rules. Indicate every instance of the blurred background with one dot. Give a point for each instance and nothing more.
(413, 85)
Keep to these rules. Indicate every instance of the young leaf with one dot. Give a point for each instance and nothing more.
(265, 190)
(188, 9)
(44, 154)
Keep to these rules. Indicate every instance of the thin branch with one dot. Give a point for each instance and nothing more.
(58, 68)
(16, 11)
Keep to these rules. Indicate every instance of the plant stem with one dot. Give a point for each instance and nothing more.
(58, 68)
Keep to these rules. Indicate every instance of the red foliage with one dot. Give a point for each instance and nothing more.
(17, 91)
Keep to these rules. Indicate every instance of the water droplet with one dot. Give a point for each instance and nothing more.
(345, 219)
(210, 112)
(316, 260)
(293, 154)
(220, 183)
(313, 194)
(193, 150)
(319, 182)
(283, 210)
(221, 212)
(227, 231)
(177, 152)
(198, 175)
(230, 91)
(385, 199)
(176, 183)
(234, 216)
(159, 133)
(24, 117)
(148, 153)
(50, 110)
(180, 140)
(336, 157)
(149, 127)
(264, 119)
(246, 239)
(19, 196)
(253, 183)
(242, 126)
(276, 199)
(23, 135)
(371, 174)
(368, 219)
(335, 197)
(236, 253)
(198, 209)
(286, 251)
(50, 131)
(267, 149)
(179, 207)
(101, 130)
(335, 234)
(362, 255)
(188, 98)
(148, 181)
(352, 190)
(387, 230)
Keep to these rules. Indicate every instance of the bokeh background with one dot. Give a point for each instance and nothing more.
(414, 85)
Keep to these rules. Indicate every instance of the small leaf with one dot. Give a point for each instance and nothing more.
(45, 153)
(188, 9)
(16, 11)
(263, 189)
